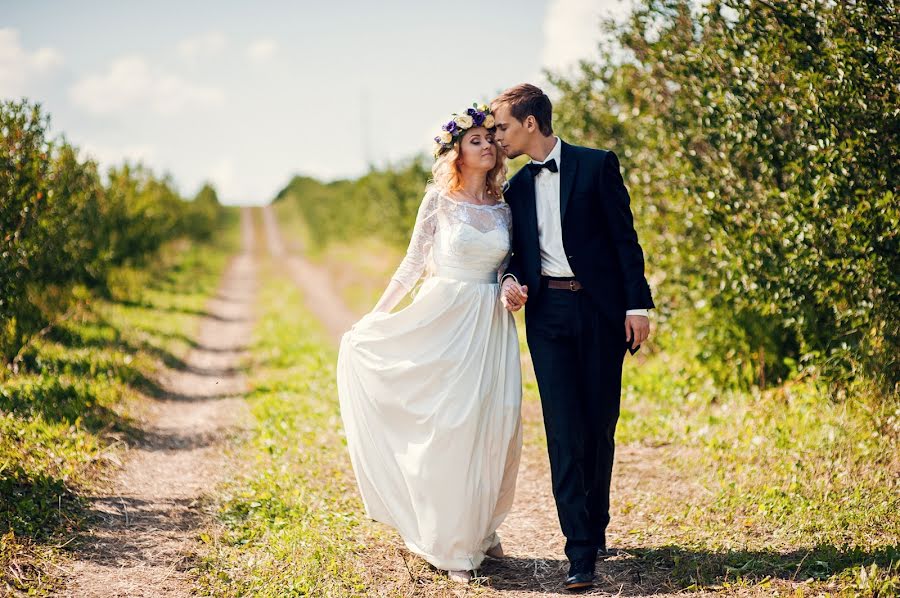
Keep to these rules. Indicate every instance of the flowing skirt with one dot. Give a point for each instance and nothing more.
(431, 398)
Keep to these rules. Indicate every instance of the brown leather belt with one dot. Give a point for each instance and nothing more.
(567, 285)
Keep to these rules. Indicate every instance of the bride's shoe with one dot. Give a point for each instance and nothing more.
(460, 576)
(496, 551)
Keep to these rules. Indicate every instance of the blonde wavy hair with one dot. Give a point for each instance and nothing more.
(446, 176)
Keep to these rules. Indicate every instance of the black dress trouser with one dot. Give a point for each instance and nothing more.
(577, 356)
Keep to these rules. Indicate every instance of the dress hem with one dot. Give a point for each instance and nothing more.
(458, 564)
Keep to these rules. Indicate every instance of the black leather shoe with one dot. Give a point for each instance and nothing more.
(581, 575)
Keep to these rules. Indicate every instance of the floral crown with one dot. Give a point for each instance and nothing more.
(479, 115)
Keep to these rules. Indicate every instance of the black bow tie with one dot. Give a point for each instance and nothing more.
(536, 168)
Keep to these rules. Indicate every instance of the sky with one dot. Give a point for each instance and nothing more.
(246, 95)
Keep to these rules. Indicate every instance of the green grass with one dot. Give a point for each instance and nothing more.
(294, 229)
(291, 521)
(791, 485)
(359, 268)
(68, 410)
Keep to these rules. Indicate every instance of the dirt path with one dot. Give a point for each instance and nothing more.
(535, 564)
(315, 282)
(145, 526)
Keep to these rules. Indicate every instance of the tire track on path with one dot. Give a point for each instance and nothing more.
(319, 293)
(145, 526)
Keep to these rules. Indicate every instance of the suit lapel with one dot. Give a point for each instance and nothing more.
(566, 178)
(530, 205)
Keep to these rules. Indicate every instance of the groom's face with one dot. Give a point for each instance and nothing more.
(511, 135)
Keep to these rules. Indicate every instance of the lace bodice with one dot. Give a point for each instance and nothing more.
(465, 239)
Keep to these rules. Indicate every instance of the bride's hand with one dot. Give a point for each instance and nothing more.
(513, 295)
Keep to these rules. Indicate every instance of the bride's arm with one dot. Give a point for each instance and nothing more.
(413, 264)
(391, 296)
(503, 270)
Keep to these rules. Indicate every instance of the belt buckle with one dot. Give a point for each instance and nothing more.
(571, 285)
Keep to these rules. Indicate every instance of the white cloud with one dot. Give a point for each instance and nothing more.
(18, 66)
(205, 45)
(572, 29)
(45, 59)
(130, 84)
(236, 185)
(224, 177)
(262, 49)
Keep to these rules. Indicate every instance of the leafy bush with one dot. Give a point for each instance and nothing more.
(381, 203)
(762, 145)
(63, 229)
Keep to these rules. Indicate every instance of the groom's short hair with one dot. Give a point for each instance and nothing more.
(528, 100)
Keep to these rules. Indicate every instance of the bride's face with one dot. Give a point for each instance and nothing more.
(477, 150)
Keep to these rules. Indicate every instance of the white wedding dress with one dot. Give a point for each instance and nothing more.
(431, 395)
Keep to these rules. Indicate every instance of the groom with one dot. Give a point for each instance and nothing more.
(577, 264)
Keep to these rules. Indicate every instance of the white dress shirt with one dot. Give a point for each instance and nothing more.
(546, 195)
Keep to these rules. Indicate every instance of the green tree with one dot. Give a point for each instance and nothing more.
(762, 145)
(62, 229)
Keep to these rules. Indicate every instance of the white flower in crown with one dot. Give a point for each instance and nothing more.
(479, 115)
(464, 121)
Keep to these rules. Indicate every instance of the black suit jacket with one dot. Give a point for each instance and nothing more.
(597, 229)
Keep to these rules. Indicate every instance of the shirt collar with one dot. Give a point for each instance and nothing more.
(555, 154)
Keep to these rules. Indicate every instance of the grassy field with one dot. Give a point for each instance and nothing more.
(67, 413)
(290, 521)
(775, 487)
(781, 491)
(359, 268)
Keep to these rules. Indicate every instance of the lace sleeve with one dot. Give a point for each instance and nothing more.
(413, 264)
(507, 217)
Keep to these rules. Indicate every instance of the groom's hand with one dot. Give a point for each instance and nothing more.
(637, 330)
(513, 295)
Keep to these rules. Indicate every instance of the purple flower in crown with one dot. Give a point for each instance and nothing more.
(477, 116)
(450, 127)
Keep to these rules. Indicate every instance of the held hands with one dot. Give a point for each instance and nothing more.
(637, 330)
(513, 295)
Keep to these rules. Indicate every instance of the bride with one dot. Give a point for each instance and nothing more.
(430, 395)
